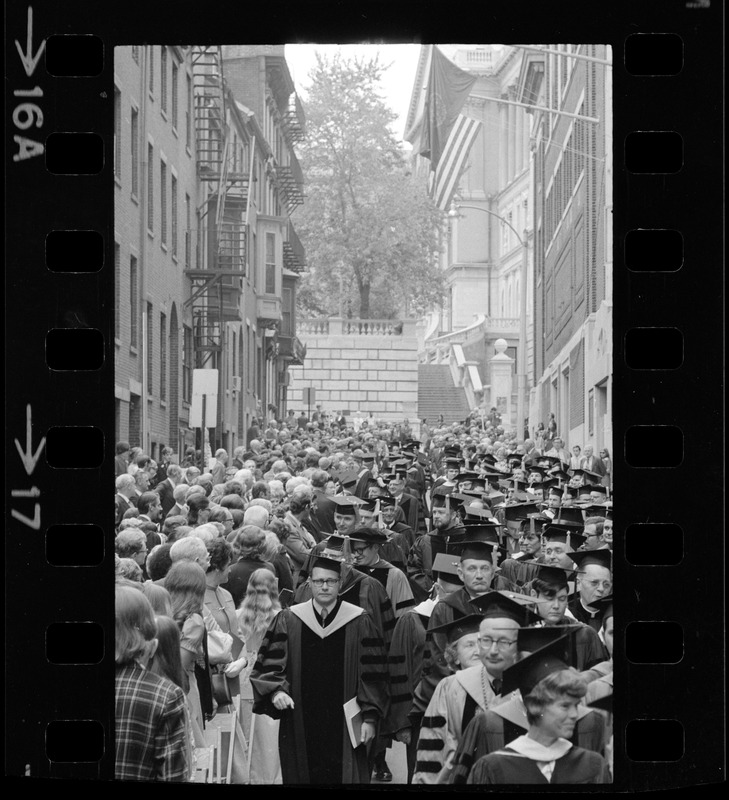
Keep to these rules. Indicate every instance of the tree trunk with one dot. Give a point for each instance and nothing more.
(364, 300)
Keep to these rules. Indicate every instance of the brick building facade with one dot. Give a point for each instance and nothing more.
(206, 257)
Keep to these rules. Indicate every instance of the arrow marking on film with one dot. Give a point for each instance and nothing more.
(27, 456)
(30, 61)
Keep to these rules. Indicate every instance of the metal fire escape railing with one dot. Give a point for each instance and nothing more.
(217, 282)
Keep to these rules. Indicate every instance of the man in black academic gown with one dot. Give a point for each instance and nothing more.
(593, 582)
(316, 657)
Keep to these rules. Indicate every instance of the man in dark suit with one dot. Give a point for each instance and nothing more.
(591, 462)
(364, 462)
(125, 489)
(165, 488)
(121, 460)
(403, 499)
(322, 509)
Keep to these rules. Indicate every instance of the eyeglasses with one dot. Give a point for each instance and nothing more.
(319, 582)
(502, 644)
(606, 585)
(358, 551)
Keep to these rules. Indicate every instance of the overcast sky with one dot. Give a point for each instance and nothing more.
(397, 81)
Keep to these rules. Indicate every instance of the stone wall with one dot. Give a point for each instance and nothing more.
(360, 366)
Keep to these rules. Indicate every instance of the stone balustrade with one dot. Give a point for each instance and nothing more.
(336, 326)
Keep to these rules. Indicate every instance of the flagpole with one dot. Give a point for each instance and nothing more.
(594, 120)
(577, 56)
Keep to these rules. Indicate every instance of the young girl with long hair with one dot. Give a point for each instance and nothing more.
(255, 615)
(186, 584)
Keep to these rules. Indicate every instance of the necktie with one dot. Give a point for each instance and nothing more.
(496, 685)
(323, 616)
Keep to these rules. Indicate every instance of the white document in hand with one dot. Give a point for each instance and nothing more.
(353, 717)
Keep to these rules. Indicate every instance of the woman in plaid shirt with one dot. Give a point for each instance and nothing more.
(151, 737)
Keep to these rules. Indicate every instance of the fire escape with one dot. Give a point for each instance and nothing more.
(216, 284)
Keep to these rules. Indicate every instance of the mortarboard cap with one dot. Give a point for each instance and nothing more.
(593, 510)
(368, 535)
(565, 534)
(441, 497)
(447, 563)
(456, 628)
(499, 604)
(560, 474)
(569, 515)
(333, 564)
(551, 657)
(583, 558)
(556, 576)
(586, 474)
(346, 504)
(604, 703)
(519, 511)
(549, 461)
(532, 639)
(387, 500)
(604, 605)
(467, 475)
(452, 462)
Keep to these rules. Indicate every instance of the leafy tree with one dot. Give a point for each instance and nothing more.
(370, 230)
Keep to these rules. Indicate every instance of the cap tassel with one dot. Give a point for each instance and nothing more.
(495, 555)
(346, 549)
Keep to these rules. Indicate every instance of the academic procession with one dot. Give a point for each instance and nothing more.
(330, 606)
(364, 491)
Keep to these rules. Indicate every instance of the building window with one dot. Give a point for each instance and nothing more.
(187, 363)
(135, 151)
(134, 302)
(150, 187)
(151, 72)
(270, 263)
(188, 232)
(188, 114)
(253, 260)
(117, 284)
(163, 202)
(174, 94)
(162, 357)
(287, 312)
(163, 79)
(135, 53)
(150, 344)
(117, 134)
(173, 214)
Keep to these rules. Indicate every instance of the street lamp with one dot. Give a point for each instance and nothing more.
(521, 355)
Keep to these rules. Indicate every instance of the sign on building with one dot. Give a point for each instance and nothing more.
(204, 393)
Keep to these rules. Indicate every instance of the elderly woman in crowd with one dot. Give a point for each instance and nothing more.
(149, 722)
(129, 569)
(249, 545)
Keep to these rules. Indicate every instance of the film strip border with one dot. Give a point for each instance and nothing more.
(668, 288)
